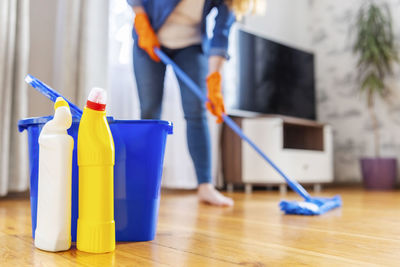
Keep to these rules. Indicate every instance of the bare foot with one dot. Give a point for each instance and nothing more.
(208, 194)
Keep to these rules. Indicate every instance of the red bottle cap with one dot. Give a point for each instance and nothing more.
(95, 106)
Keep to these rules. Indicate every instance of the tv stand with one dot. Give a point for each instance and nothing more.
(301, 148)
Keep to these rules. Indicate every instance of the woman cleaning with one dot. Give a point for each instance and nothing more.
(178, 27)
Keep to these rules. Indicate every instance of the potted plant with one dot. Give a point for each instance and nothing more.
(377, 52)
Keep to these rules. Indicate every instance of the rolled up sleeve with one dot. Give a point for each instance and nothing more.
(223, 23)
(134, 2)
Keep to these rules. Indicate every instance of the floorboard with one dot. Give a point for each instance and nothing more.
(365, 232)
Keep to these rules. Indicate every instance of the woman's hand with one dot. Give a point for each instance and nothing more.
(215, 102)
(147, 38)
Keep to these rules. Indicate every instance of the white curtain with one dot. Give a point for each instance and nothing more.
(178, 167)
(81, 48)
(14, 52)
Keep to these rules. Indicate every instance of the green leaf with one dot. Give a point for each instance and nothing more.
(375, 46)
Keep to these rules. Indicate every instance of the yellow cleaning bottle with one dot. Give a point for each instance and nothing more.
(96, 226)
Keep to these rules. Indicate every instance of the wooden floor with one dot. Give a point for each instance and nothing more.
(365, 232)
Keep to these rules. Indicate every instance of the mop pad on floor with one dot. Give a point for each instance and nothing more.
(310, 205)
(314, 206)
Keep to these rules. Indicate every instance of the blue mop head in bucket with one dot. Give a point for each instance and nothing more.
(310, 205)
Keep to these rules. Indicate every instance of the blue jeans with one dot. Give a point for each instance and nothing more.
(150, 82)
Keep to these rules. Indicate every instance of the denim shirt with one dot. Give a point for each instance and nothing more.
(159, 10)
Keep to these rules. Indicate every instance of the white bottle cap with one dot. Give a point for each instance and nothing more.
(97, 99)
(98, 95)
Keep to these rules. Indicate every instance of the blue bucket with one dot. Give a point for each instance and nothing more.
(139, 156)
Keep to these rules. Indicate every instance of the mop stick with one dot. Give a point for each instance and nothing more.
(321, 203)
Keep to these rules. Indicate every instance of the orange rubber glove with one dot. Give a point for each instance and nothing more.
(146, 35)
(215, 102)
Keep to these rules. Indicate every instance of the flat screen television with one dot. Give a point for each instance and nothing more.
(275, 78)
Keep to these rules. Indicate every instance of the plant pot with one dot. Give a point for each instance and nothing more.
(379, 173)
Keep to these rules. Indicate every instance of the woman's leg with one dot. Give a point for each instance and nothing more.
(150, 83)
(194, 63)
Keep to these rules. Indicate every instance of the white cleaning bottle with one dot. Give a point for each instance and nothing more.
(53, 227)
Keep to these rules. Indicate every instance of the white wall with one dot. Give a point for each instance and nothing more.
(339, 101)
(285, 21)
(323, 27)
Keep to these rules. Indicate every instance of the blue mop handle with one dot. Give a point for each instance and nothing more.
(196, 90)
(51, 94)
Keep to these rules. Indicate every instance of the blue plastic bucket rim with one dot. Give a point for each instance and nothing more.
(33, 121)
(167, 124)
(25, 123)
